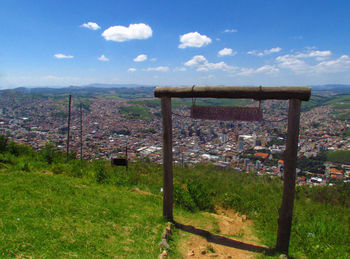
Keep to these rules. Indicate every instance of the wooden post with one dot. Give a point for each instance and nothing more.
(81, 131)
(69, 111)
(290, 159)
(167, 159)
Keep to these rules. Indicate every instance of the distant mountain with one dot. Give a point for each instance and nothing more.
(331, 87)
(92, 90)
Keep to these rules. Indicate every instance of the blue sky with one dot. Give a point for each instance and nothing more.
(161, 42)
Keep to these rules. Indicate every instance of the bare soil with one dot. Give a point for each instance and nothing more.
(229, 224)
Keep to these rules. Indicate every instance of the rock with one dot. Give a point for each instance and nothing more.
(204, 252)
(163, 255)
(244, 218)
(164, 244)
(283, 256)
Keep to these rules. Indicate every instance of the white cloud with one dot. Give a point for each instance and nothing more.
(120, 33)
(230, 30)
(103, 58)
(160, 69)
(319, 55)
(293, 63)
(296, 62)
(140, 58)
(267, 69)
(132, 69)
(202, 64)
(91, 25)
(265, 52)
(333, 66)
(226, 52)
(181, 69)
(193, 39)
(153, 59)
(60, 56)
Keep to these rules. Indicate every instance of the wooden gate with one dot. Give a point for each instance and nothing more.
(294, 94)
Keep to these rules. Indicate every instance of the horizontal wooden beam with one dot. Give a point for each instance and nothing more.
(236, 92)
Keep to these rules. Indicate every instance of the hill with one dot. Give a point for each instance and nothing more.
(49, 206)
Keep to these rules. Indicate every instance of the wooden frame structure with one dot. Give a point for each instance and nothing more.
(294, 94)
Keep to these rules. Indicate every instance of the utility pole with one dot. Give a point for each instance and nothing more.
(69, 111)
(81, 131)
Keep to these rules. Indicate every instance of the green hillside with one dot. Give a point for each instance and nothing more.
(53, 208)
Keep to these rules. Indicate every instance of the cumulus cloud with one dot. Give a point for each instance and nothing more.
(202, 64)
(340, 64)
(61, 56)
(132, 69)
(140, 58)
(91, 26)
(293, 63)
(193, 39)
(319, 55)
(309, 62)
(264, 52)
(120, 33)
(103, 58)
(226, 52)
(160, 69)
(230, 30)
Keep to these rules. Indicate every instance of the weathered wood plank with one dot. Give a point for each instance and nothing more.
(167, 158)
(226, 113)
(290, 159)
(236, 92)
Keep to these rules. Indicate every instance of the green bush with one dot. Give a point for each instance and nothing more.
(201, 195)
(183, 198)
(19, 149)
(100, 172)
(3, 143)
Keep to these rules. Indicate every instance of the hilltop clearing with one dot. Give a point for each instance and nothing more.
(53, 207)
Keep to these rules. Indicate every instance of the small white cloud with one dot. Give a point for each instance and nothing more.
(226, 52)
(153, 59)
(91, 25)
(267, 69)
(103, 58)
(193, 39)
(181, 69)
(314, 54)
(160, 69)
(120, 33)
(230, 30)
(265, 52)
(61, 56)
(140, 58)
(132, 69)
(202, 64)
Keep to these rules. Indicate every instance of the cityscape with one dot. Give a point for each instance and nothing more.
(110, 130)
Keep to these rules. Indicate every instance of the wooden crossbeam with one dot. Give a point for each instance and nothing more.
(235, 92)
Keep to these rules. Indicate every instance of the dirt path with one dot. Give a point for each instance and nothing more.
(236, 228)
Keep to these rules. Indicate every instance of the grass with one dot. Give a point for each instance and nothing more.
(81, 217)
(55, 216)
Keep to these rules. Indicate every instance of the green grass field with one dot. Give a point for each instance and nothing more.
(55, 216)
(91, 209)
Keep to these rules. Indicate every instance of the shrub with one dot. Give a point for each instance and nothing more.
(183, 198)
(3, 143)
(100, 172)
